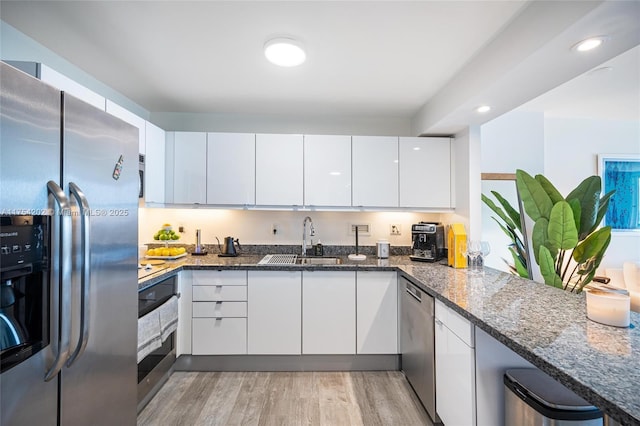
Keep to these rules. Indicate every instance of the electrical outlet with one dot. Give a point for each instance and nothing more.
(395, 229)
(363, 229)
(275, 229)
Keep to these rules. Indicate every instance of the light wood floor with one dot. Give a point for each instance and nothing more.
(285, 398)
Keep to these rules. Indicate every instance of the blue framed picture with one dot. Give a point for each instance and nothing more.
(622, 173)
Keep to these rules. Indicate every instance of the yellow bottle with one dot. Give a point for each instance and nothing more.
(456, 242)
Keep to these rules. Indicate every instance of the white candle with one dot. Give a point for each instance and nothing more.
(608, 308)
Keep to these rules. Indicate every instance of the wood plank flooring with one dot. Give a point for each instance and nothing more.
(285, 398)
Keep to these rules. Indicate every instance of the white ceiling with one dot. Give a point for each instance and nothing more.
(365, 58)
(610, 91)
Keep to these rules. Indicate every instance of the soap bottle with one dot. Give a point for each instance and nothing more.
(318, 250)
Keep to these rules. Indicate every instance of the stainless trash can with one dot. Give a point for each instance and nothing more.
(534, 399)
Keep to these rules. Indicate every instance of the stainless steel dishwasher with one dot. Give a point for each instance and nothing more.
(418, 344)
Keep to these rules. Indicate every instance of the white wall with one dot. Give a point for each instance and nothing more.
(565, 150)
(255, 227)
(571, 150)
(16, 46)
(512, 141)
(255, 123)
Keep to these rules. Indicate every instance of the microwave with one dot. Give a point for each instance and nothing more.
(141, 173)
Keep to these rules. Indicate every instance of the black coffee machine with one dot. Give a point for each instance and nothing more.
(427, 242)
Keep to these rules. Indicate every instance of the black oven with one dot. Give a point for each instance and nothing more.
(24, 288)
(155, 367)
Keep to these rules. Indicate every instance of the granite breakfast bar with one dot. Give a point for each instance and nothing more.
(545, 326)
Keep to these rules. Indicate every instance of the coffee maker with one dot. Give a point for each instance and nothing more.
(427, 242)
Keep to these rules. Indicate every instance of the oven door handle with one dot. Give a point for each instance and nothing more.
(61, 262)
(85, 277)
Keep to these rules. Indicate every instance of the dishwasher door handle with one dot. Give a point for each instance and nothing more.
(412, 294)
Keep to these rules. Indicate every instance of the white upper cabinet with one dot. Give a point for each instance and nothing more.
(425, 172)
(126, 115)
(231, 174)
(154, 168)
(187, 164)
(62, 82)
(375, 171)
(279, 170)
(327, 170)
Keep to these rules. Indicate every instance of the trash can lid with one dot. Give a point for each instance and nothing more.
(547, 391)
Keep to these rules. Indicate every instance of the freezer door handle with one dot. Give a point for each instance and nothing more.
(85, 277)
(61, 254)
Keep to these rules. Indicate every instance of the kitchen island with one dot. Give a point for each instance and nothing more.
(546, 326)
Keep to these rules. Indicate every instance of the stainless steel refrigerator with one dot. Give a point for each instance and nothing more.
(76, 167)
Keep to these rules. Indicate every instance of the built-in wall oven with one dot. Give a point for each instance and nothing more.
(154, 369)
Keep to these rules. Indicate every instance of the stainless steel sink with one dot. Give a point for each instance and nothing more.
(319, 261)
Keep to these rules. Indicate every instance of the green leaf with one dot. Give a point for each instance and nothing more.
(577, 211)
(521, 268)
(547, 268)
(539, 237)
(551, 190)
(497, 210)
(536, 201)
(602, 209)
(585, 281)
(588, 193)
(562, 232)
(591, 246)
(511, 211)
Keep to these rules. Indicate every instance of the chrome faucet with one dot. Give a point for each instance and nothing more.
(304, 233)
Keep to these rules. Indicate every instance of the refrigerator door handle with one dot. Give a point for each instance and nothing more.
(85, 280)
(62, 254)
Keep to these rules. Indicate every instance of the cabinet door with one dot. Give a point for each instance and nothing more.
(329, 312)
(425, 172)
(154, 164)
(219, 336)
(279, 167)
(189, 167)
(377, 312)
(231, 174)
(375, 171)
(126, 115)
(62, 82)
(183, 345)
(455, 376)
(274, 312)
(327, 170)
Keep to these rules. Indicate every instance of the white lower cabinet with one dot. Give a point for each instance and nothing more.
(219, 336)
(328, 312)
(219, 312)
(455, 368)
(274, 312)
(377, 312)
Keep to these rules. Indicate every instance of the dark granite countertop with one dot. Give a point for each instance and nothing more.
(546, 326)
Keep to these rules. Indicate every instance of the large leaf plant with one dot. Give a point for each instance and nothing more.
(511, 225)
(567, 244)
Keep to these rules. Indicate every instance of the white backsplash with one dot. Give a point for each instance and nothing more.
(255, 227)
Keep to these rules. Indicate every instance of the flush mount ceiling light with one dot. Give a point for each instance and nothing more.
(589, 44)
(483, 108)
(284, 51)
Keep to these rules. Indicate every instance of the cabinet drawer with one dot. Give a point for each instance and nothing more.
(219, 336)
(219, 277)
(219, 309)
(455, 322)
(215, 293)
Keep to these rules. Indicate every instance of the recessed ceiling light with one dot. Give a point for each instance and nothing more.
(284, 51)
(335, 173)
(589, 44)
(483, 108)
